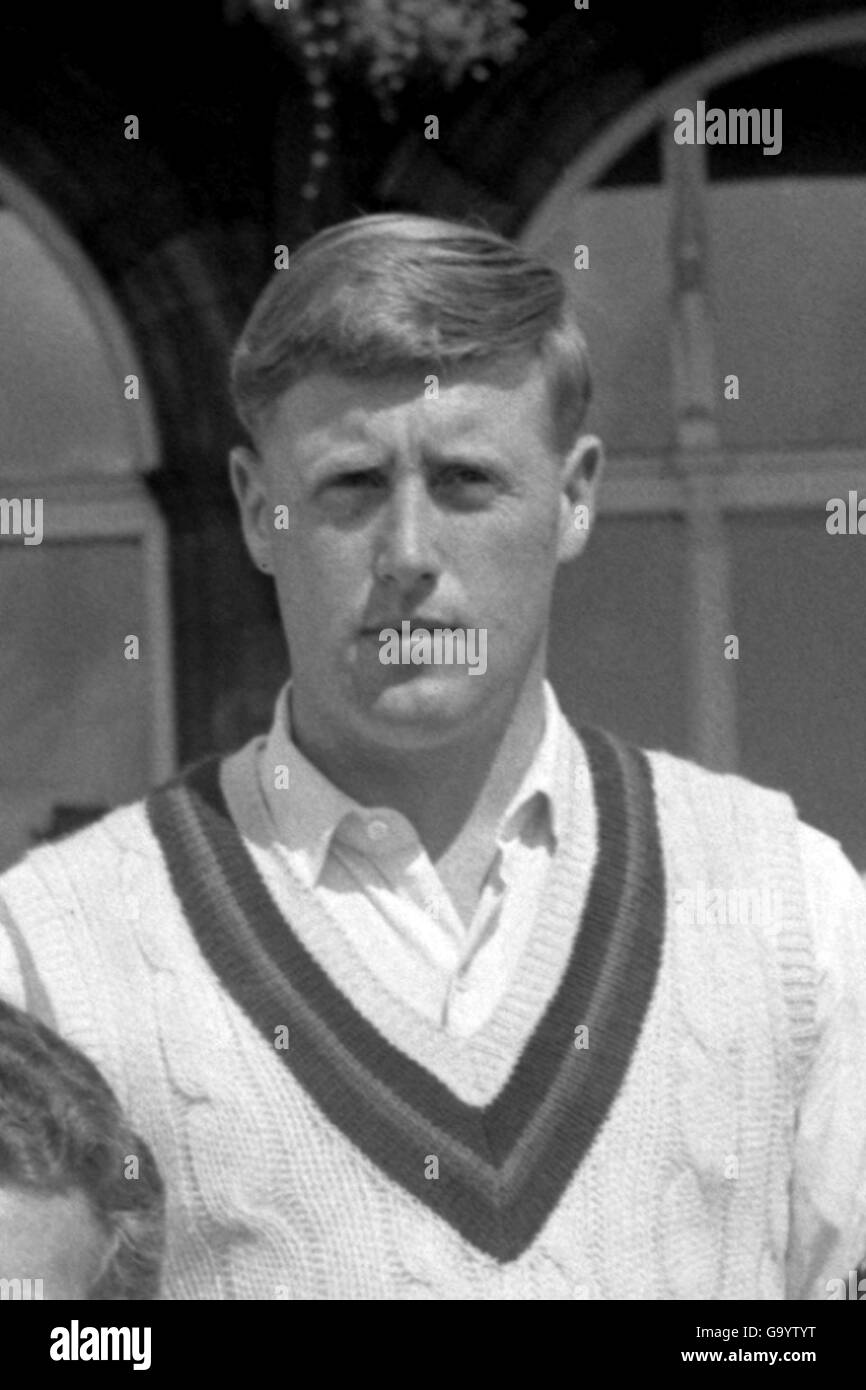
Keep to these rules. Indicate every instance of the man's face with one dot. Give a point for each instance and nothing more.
(452, 510)
(55, 1239)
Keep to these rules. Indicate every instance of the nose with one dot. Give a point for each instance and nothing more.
(406, 552)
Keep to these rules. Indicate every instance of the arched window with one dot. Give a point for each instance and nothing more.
(83, 556)
(726, 315)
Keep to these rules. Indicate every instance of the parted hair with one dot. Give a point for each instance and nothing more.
(392, 291)
(61, 1130)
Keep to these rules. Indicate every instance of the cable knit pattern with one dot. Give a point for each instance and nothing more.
(500, 1167)
(683, 1192)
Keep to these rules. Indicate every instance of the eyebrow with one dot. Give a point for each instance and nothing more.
(352, 457)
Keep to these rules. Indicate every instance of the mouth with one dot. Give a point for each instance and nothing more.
(422, 623)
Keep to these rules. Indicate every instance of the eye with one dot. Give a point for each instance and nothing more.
(364, 477)
(466, 473)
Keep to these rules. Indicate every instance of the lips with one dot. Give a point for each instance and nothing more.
(420, 624)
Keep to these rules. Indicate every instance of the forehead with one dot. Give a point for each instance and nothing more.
(494, 403)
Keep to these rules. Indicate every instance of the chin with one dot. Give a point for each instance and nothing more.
(424, 703)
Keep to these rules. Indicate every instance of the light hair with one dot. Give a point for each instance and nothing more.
(383, 293)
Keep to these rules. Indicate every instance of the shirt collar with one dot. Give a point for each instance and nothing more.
(309, 812)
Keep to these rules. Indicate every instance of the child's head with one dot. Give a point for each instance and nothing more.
(81, 1198)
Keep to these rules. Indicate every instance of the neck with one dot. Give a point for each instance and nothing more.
(437, 790)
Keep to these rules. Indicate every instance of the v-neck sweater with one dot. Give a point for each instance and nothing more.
(445, 934)
(488, 1131)
(623, 1125)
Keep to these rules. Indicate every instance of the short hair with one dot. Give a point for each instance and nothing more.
(61, 1130)
(383, 293)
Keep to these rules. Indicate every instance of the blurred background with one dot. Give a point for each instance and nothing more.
(128, 265)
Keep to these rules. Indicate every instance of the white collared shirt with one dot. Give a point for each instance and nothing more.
(375, 879)
(374, 876)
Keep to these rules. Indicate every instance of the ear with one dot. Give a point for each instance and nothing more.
(247, 476)
(582, 469)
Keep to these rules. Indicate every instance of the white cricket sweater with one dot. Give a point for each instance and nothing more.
(649, 1113)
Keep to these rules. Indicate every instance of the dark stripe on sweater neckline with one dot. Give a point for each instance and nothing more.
(502, 1167)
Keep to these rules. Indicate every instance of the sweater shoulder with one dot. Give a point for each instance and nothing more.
(101, 848)
(682, 781)
(95, 854)
(724, 828)
(734, 849)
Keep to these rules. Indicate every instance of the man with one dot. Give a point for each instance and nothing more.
(407, 993)
(81, 1199)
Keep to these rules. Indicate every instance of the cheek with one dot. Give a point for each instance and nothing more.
(321, 564)
(70, 1264)
(320, 588)
(517, 554)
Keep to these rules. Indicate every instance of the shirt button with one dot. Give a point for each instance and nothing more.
(377, 829)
